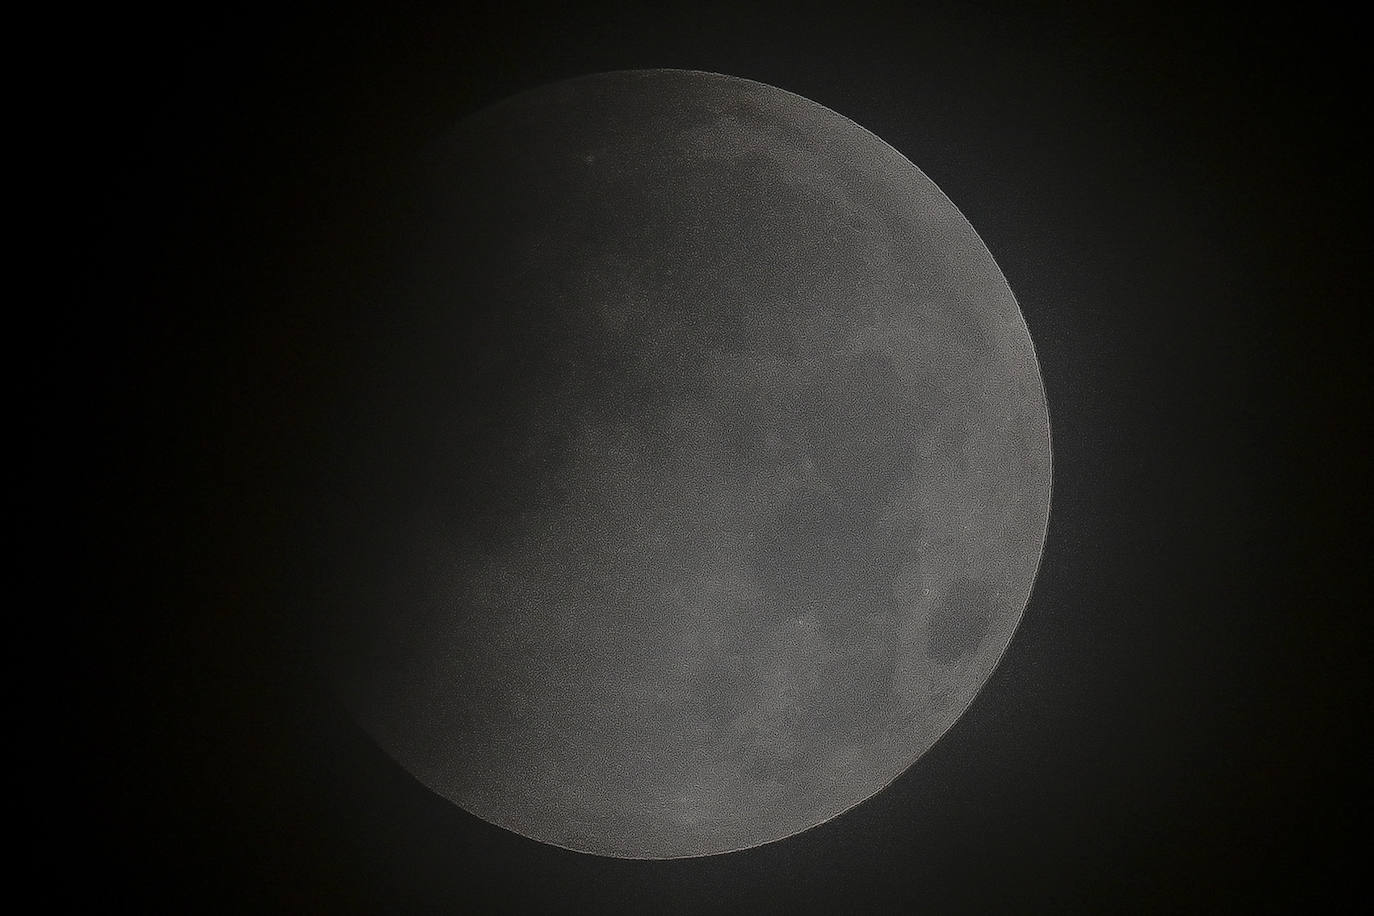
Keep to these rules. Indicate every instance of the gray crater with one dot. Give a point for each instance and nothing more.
(960, 622)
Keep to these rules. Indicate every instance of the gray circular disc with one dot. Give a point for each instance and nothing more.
(736, 469)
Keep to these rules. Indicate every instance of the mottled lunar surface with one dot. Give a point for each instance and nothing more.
(735, 469)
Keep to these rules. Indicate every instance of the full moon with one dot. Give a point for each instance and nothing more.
(726, 468)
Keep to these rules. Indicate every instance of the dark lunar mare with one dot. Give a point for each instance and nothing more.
(717, 466)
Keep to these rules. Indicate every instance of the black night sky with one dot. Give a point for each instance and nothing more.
(1174, 199)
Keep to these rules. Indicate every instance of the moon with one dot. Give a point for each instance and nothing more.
(720, 476)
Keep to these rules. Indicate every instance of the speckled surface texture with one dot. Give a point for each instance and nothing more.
(736, 470)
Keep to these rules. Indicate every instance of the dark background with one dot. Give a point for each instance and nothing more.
(1175, 198)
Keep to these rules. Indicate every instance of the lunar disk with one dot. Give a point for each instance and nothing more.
(726, 468)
